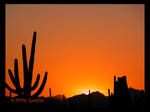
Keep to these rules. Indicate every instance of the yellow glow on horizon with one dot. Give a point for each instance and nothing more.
(86, 91)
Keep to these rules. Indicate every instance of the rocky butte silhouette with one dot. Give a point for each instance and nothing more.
(122, 98)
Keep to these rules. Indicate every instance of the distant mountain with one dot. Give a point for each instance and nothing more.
(98, 100)
(134, 91)
(136, 96)
(95, 100)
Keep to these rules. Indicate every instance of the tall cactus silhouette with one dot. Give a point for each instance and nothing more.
(25, 92)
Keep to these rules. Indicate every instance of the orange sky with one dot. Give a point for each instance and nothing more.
(81, 46)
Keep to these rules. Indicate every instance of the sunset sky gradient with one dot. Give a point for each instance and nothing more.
(82, 46)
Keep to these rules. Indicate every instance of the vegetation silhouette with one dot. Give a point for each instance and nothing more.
(123, 99)
(25, 92)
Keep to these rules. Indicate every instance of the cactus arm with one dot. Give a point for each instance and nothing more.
(36, 82)
(41, 87)
(10, 89)
(12, 77)
(17, 76)
(31, 62)
(16, 71)
(25, 68)
(18, 90)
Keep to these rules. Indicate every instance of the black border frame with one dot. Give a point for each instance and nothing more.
(3, 34)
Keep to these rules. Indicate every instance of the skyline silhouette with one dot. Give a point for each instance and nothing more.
(82, 57)
(121, 96)
(80, 49)
(26, 91)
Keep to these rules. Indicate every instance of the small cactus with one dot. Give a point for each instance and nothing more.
(50, 95)
(109, 92)
(110, 99)
(89, 99)
(64, 101)
(10, 95)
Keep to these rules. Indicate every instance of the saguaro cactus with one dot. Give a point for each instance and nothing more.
(28, 73)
